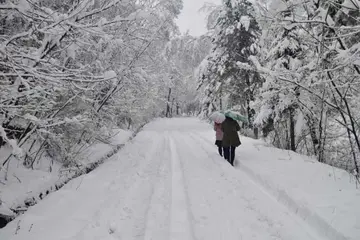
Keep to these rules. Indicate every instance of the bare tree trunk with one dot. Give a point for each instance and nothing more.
(292, 130)
(129, 123)
(168, 104)
(322, 134)
(172, 107)
(177, 108)
(249, 114)
(256, 132)
(220, 100)
(313, 135)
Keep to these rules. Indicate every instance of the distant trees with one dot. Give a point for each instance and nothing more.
(184, 54)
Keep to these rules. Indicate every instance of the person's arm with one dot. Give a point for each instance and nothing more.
(237, 126)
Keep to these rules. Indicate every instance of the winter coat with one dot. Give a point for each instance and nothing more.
(219, 133)
(230, 128)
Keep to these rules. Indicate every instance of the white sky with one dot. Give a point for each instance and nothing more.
(191, 19)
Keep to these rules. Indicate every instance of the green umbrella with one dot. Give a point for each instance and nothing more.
(236, 116)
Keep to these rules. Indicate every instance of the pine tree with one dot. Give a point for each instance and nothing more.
(227, 76)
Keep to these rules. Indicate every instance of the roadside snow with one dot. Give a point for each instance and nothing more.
(23, 184)
(321, 195)
(95, 151)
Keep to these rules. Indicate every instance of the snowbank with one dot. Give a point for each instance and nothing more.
(24, 187)
(324, 196)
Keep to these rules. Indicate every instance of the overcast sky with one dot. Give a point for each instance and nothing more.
(191, 19)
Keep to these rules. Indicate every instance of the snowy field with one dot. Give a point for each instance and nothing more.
(169, 183)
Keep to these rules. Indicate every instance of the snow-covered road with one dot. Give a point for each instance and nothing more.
(168, 183)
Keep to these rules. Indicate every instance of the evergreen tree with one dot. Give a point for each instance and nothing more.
(227, 77)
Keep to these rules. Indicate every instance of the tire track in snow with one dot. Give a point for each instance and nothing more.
(138, 202)
(145, 224)
(220, 212)
(313, 232)
(158, 214)
(123, 213)
(94, 213)
(181, 223)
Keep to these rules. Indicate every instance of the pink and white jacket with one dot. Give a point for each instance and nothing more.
(219, 132)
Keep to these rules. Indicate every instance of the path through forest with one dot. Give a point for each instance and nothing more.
(168, 183)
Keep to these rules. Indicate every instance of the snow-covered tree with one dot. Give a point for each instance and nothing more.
(72, 68)
(310, 63)
(184, 54)
(226, 77)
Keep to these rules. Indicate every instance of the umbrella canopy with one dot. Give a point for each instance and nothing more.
(217, 117)
(236, 116)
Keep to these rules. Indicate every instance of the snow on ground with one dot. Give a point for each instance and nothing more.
(23, 183)
(321, 195)
(100, 149)
(169, 183)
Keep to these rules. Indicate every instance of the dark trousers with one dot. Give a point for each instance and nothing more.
(220, 149)
(229, 154)
(218, 143)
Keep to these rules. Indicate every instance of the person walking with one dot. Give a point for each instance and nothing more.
(231, 139)
(219, 137)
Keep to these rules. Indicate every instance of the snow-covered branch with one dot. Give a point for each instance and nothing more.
(69, 60)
